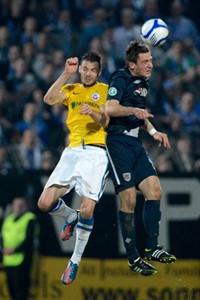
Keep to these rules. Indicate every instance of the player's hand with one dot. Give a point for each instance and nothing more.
(71, 65)
(163, 139)
(86, 110)
(142, 113)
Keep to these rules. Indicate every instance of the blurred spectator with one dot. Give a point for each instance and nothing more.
(84, 12)
(14, 53)
(63, 34)
(16, 19)
(32, 119)
(42, 108)
(180, 26)
(191, 59)
(5, 165)
(149, 10)
(29, 151)
(19, 233)
(166, 107)
(4, 11)
(22, 83)
(57, 127)
(42, 44)
(95, 28)
(6, 116)
(48, 161)
(164, 164)
(47, 12)
(107, 41)
(123, 34)
(46, 77)
(189, 115)
(121, 4)
(4, 48)
(58, 61)
(179, 67)
(183, 154)
(29, 33)
(28, 52)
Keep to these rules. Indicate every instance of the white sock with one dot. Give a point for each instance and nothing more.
(83, 231)
(64, 211)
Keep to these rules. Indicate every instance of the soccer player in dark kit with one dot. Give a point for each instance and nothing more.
(131, 168)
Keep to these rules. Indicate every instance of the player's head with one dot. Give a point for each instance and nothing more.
(90, 68)
(139, 59)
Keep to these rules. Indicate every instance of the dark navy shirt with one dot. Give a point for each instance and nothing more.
(130, 91)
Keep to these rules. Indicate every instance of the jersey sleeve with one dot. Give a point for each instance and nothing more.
(67, 89)
(116, 87)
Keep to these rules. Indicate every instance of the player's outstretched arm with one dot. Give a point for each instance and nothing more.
(114, 109)
(54, 94)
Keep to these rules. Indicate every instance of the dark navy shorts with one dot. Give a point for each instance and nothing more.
(129, 163)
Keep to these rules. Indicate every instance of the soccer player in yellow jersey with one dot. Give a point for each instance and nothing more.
(83, 164)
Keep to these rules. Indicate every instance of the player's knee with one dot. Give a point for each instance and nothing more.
(86, 211)
(156, 193)
(128, 200)
(43, 204)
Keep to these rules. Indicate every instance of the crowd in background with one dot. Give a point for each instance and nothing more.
(36, 37)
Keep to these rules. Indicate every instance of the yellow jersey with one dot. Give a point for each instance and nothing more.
(83, 129)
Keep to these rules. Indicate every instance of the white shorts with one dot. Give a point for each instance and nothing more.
(84, 169)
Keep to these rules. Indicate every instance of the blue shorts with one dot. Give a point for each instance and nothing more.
(129, 163)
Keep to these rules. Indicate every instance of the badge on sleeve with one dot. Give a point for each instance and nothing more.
(112, 91)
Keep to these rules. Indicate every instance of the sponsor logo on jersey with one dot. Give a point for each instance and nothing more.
(137, 81)
(141, 91)
(127, 176)
(80, 103)
(95, 97)
(112, 91)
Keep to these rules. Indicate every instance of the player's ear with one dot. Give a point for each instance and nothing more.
(79, 69)
(100, 71)
(131, 65)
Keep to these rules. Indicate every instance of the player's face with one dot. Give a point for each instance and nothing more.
(143, 66)
(89, 72)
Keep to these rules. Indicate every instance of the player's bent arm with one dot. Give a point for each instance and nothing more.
(98, 117)
(114, 109)
(54, 94)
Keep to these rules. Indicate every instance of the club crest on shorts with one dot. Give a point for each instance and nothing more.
(95, 97)
(127, 176)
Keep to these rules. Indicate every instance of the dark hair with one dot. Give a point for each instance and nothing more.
(133, 49)
(92, 57)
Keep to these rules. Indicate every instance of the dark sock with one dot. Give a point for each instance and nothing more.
(151, 219)
(127, 224)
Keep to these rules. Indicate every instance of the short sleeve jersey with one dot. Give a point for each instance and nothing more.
(83, 128)
(130, 91)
